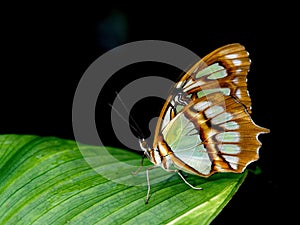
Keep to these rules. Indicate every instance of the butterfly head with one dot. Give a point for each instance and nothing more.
(145, 147)
(153, 154)
(150, 153)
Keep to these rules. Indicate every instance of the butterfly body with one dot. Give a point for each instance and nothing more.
(205, 125)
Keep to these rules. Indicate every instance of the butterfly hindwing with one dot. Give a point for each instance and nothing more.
(213, 134)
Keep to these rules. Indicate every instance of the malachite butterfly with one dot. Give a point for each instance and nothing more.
(205, 126)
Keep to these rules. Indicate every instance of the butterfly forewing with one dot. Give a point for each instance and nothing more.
(206, 119)
(224, 69)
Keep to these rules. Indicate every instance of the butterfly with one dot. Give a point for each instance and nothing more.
(205, 125)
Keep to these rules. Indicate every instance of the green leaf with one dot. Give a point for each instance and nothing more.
(47, 180)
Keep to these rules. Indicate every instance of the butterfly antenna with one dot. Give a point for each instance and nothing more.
(136, 127)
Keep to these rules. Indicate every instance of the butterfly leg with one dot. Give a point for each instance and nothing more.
(185, 181)
(140, 167)
(147, 176)
(174, 171)
(148, 183)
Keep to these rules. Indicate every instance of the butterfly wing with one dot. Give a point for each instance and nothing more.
(224, 69)
(211, 134)
(206, 119)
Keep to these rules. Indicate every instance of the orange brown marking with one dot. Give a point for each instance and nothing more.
(248, 132)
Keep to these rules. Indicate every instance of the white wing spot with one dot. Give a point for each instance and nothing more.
(230, 148)
(190, 85)
(238, 93)
(228, 137)
(231, 56)
(212, 69)
(179, 84)
(222, 118)
(235, 80)
(226, 91)
(217, 75)
(231, 125)
(233, 161)
(237, 62)
(214, 111)
(190, 81)
(201, 106)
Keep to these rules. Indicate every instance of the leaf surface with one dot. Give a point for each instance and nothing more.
(47, 180)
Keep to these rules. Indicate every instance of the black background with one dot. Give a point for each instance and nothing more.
(46, 48)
